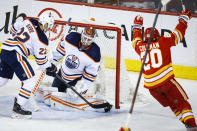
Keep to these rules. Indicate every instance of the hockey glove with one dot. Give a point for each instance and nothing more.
(51, 71)
(185, 16)
(83, 89)
(83, 92)
(124, 129)
(138, 22)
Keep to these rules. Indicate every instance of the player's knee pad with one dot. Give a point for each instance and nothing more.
(3, 81)
(29, 84)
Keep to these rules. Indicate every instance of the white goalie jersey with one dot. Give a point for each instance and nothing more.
(28, 39)
(78, 63)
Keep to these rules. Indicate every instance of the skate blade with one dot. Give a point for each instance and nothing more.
(19, 116)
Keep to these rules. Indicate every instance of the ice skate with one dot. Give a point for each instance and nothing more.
(19, 113)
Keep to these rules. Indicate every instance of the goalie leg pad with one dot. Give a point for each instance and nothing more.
(63, 101)
(44, 94)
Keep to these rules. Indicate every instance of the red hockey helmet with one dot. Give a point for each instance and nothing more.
(155, 36)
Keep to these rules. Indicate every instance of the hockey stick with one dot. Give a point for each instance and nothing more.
(183, 6)
(67, 24)
(164, 2)
(107, 107)
(144, 60)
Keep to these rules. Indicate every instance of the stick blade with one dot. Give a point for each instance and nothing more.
(107, 107)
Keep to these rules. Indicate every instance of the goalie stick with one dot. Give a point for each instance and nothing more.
(162, 3)
(65, 27)
(107, 107)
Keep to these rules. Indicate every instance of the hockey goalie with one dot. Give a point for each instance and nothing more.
(81, 61)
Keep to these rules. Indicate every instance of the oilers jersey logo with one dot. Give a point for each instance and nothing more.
(72, 61)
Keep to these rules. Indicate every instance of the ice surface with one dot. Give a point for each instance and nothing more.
(149, 116)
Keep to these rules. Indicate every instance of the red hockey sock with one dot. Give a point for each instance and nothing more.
(188, 118)
(177, 113)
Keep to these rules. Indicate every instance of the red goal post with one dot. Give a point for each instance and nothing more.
(99, 26)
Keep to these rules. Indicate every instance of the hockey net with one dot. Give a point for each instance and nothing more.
(112, 81)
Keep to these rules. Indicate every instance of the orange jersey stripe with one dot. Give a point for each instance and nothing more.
(21, 45)
(12, 30)
(68, 76)
(41, 61)
(89, 76)
(22, 92)
(60, 48)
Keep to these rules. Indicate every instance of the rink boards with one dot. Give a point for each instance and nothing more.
(184, 58)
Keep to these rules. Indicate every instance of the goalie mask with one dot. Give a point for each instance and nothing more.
(87, 37)
(148, 32)
(47, 20)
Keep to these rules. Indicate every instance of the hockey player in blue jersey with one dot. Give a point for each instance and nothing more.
(81, 60)
(27, 38)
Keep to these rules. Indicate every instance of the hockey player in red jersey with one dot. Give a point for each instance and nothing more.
(158, 72)
(27, 38)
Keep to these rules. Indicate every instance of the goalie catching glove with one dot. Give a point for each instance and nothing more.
(82, 89)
